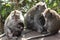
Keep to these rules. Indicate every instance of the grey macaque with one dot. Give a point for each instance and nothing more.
(14, 24)
(34, 20)
(52, 23)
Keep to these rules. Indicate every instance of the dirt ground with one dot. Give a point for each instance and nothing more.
(33, 33)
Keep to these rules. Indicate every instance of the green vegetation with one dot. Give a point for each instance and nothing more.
(24, 5)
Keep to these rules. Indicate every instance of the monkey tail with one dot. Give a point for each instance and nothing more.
(2, 35)
(40, 36)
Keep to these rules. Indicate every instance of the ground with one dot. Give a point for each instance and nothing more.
(33, 33)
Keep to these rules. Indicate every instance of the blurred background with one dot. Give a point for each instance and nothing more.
(6, 6)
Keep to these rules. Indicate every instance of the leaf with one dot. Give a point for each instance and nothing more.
(46, 1)
(30, 0)
(55, 4)
(3, 12)
(8, 5)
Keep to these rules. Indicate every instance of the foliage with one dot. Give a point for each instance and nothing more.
(25, 5)
(54, 4)
(5, 9)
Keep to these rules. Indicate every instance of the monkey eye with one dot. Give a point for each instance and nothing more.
(43, 5)
(38, 6)
(15, 17)
(50, 14)
(18, 14)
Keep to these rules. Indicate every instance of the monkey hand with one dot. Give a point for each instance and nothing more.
(10, 35)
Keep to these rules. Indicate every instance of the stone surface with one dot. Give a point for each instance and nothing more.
(33, 33)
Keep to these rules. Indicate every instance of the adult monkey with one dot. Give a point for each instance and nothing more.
(34, 19)
(14, 25)
(52, 23)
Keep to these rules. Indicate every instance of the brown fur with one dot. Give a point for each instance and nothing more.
(52, 20)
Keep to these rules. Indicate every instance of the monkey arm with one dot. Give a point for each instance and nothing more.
(14, 28)
(38, 21)
(21, 18)
(7, 31)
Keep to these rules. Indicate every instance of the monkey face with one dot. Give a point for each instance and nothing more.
(48, 14)
(41, 6)
(15, 15)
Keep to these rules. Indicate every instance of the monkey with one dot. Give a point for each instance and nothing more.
(14, 24)
(52, 20)
(52, 23)
(32, 19)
